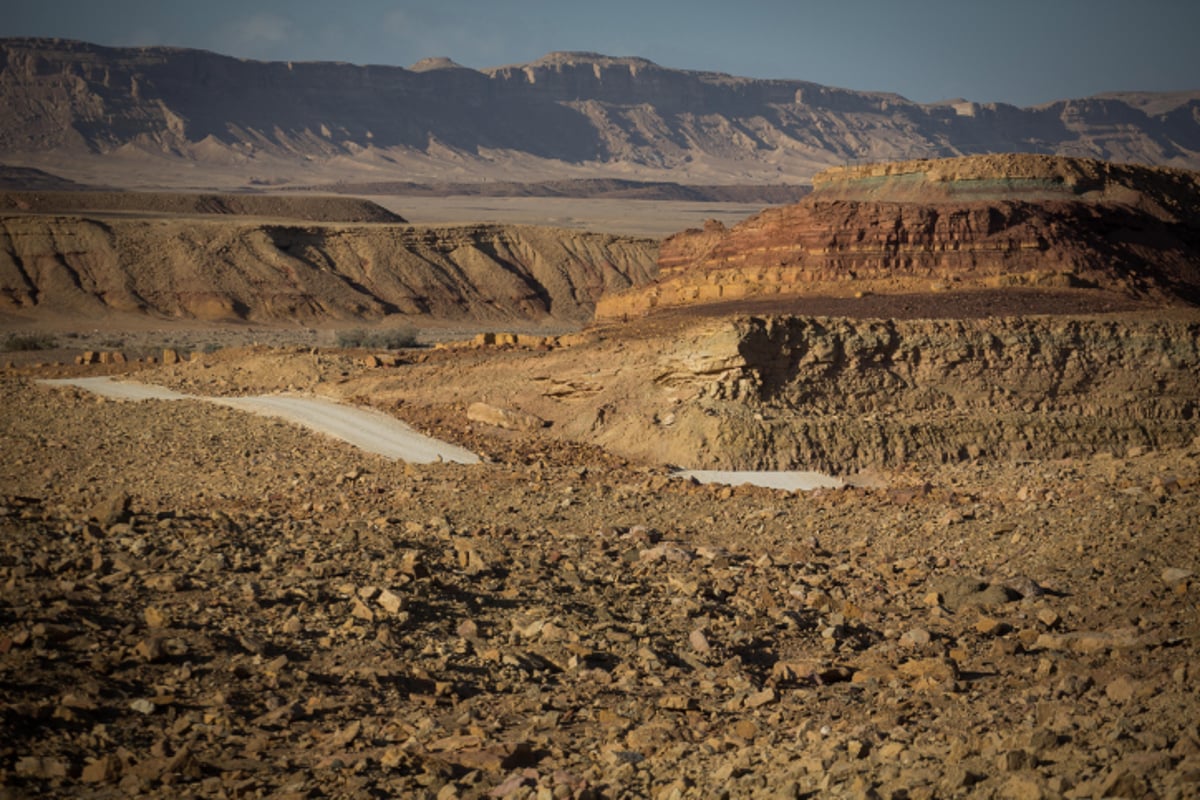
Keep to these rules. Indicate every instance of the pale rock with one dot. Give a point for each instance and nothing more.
(360, 610)
(412, 562)
(142, 705)
(509, 419)
(1087, 641)
(43, 768)
(390, 601)
(112, 510)
(1121, 690)
(151, 649)
(989, 626)
(469, 559)
(1048, 617)
(1174, 575)
(103, 770)
(1015, 761)
(677, 702)
(761, 698)
(1022, 787)
(155, 617)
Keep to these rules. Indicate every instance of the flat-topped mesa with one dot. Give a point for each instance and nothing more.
(1010, 176)
(968, 223)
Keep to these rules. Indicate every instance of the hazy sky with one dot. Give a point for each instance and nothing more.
(1017, 51)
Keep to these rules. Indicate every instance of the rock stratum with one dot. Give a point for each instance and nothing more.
(230, 269)
(984, 222)
(85, 111)
(841, 394)
(835, 394)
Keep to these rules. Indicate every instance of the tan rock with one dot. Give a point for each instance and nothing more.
(1121, 690)
(1174, 575)
(156, 617)
(391, 602)
(103, 770)
(504, 418)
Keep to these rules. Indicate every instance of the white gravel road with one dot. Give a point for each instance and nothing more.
(371, 431)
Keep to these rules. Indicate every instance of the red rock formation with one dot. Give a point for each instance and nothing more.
(982, 222)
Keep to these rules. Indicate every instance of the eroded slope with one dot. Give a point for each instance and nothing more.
(230, 270)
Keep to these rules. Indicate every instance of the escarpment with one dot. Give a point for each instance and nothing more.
(237, 270)
(985, 222)
(84, 111)
(840, 394)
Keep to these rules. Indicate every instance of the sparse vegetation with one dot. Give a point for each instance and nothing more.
(29, 341)
(377, 340)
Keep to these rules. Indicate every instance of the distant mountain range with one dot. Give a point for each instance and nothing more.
(141, 116)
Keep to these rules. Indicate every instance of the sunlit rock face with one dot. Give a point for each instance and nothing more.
(979, 222)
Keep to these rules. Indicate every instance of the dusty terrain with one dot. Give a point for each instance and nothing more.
(655, 219)
(200, 602)
(197, 600)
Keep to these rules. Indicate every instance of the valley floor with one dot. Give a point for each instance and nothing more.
(199, 602)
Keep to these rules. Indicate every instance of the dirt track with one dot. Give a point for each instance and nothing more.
(365, 429)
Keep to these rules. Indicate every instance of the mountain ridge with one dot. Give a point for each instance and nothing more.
(83, 108)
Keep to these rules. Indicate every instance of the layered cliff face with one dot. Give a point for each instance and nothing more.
(842, 395)
(980, 222)
(566, 114)
(231, 270)
(838, 394)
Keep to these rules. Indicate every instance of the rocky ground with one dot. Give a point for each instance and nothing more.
(196, 602)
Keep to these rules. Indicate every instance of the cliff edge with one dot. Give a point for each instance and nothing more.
(984, 222)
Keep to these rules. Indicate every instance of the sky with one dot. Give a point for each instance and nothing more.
(1023, 52)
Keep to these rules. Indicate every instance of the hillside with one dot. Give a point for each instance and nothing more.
(985, 222)
(151, 115)
(229, 269)
(306, 208)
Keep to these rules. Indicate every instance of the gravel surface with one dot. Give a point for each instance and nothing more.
(198, 602)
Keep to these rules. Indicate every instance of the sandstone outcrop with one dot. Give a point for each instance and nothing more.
(235, 269)
(508, 418)
(980, 222)
(840, 394)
